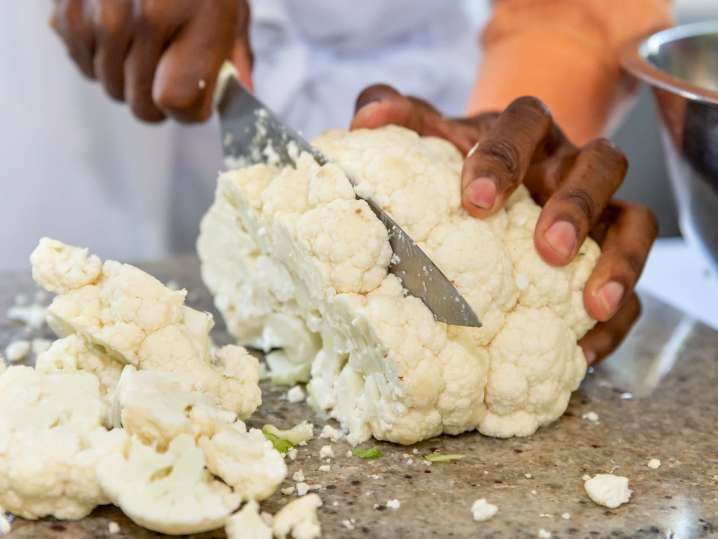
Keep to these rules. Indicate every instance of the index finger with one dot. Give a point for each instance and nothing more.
(498, 163)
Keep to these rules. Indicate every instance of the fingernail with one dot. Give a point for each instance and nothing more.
(561, 236)
(590, 356)
(610, 295)
(482, 193)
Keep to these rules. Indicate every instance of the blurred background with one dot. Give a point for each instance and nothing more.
(80, 168)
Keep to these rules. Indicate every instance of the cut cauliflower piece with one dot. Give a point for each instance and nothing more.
(50, 442)
(298, 519)
(170, 492)
(608, 490)
(130, 316)
(60, 268)
(380, 363)
(157, 408)
(248, 524)
(535, 365)
(245, 460)
(73, 354)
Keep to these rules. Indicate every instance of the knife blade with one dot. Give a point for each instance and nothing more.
(252, 133)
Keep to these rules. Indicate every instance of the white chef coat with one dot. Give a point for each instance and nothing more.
(80, 168)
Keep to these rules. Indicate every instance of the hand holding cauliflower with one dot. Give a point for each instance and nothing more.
(523, 145)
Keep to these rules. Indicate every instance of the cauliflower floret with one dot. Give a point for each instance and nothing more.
(535, 365)
(381, 364)
(50, 441)
(169, 492)
(543, 285)
(298, 518)
(157, 408)
(60, 268)
(133, 318)
(72, 354)
(245, 460)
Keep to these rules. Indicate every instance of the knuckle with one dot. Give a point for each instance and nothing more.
(111, 18)
(503, 152)
(581, 199)
(177, 100)
(149, 14)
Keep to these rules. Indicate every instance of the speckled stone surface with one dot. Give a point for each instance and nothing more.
(656, 398)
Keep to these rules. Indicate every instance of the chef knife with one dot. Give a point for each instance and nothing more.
(252, 134)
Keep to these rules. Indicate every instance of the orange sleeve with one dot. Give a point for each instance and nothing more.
(565, 52)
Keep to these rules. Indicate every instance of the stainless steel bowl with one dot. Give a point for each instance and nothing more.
(681, 66)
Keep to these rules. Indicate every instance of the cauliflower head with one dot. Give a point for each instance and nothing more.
(125, 314)
(376, 358)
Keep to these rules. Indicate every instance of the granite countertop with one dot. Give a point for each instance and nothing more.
(656, 398)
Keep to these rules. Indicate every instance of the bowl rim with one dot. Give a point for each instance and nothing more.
(634, 61)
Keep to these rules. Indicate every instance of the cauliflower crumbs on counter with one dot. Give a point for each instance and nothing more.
(591, 416)
(528, 475)
(17, 351)
(292, 453)
(326, 452)
(302, 488)
(298, 476)
(544, 534)
(33, 316)
(349, 524)
(113, 528)
(654, 464)
(288, 490)
(566, 516)
(325, 468)
(393, 504)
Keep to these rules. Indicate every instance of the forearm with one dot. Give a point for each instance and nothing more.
(565, 52)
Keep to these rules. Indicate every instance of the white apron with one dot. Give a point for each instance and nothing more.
(80, 168)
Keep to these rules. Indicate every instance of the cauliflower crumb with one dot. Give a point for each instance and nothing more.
(331, 433)
(544, 534)
(113, 528)
(298, 476)
(608, 490)
(296, 394)
(40, 345)
(591, 416)
(483, 510)
(288, 490)
(393, 504)
(528, 475)
(325, 468)
(292, 453)
(326, 452)
(654, 464)
(17, 350)
(348, 524)
(302, 488)
(5, 525)
(33, 315)
(566, 516)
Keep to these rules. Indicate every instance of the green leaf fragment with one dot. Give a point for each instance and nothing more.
(372, 453)
(443, 457)
(280, 444)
